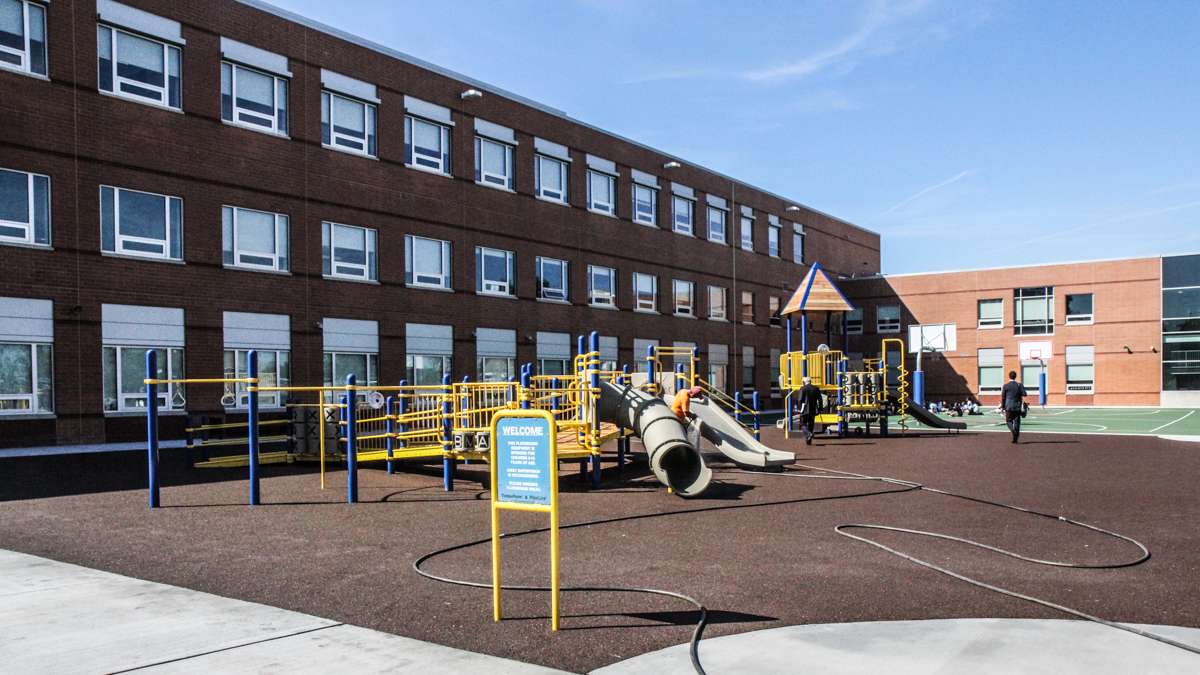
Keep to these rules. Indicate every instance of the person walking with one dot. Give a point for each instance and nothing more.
(810, 404)
(1012, 399)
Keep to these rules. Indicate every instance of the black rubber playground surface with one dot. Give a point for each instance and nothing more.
(760, 553)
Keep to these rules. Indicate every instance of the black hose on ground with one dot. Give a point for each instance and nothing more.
(904, 486)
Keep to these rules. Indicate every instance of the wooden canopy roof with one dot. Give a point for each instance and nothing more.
(816, 293)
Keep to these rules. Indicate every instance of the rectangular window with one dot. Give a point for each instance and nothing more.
(747, 234)
(426, 369)
(426, 262)
(602, 286)
(645, 205)
(747, 313)
(337, 365)
(602, 191)
(494, 368)
(748, 386)
(124, 372)
(1079, 308)
(493, 163)
(773, 241)
(274, 370)
(1033, 311)
(550, 177)
(254, 239)
(23, 36)
(1031, 372)
(716, 224)
(991, 370)
(854, 322)
(717, 303)
(348, 252)
(887, 319)
(494, 271)
(773, 309)
(797, 243)
(991, 313)
(254, 99)
(141, 223)
(347, 124)
(645, 289)
(684, 293)
(426, 145)
(26, 378)
(1081, 369)
(24, 208)
(552, 279)
(552, 366)
(681, 214)
(138, 68)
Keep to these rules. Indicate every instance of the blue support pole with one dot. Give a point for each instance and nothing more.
(804, 342)
(737, 406)
(351, 441)
(754, 404)
(841, 398)
(651, 371)
(787, 400)
(152, 427)
(448, 463)
(466, 406)
(594, 385)
(401, 410)
(845, 335)
(390, 430)
(525, 380)
(680, 378)
(252, 423)
(1042, 386)
(919, 387)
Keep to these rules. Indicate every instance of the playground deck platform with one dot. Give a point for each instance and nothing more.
(760, 552)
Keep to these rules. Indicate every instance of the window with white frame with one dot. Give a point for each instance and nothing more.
(747, 233)
(748, 371)
(550, 177)
(718, 303)
(552, 279)
(773, 311)
(1079, 309)
(495, 354)
(991, 370)
(493, 163)
(602, 286)
(602, 189)
(337, 365)
(141, 223)
(494, 368)
(1081, 369)
(991, 313)
(124, 372)
(426, 144)
(426, 369)
(494, 271)
(347, 124)
(773, 241)
(274, 370)
(797, 243)
(645, 204)
(1031, 379)
(552, 366)
(716, 224)
(26, 378)
(747, 310)
(349, 346)
(254, 239)
(645, 289)
(137, 67)
(887, 319)
(24, 208)
(426, 262)
(1033, 310)
(348, 252)
(681, 214)
(23, 36)
(253, 98)
(684, 293)
(854, 322)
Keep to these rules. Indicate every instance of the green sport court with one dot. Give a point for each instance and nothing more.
(1133, 421)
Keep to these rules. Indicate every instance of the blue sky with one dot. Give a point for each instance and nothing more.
(968, 134)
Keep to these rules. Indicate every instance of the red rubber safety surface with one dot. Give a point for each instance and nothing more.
(755, 565)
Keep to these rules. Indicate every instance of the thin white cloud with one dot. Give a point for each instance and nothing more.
(1121, 218)
(931, 188)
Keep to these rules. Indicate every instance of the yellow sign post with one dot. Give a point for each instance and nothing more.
(524, 477)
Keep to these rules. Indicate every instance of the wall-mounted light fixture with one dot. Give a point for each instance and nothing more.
(672, 165)
(793, 207)
(471, 94)
(1128, 350)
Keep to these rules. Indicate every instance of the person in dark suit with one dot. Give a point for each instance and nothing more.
(1012, 399)
(810, 405)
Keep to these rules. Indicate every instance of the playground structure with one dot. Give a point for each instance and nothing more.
(865, 396)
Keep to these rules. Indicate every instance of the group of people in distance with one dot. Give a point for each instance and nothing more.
(958, 409)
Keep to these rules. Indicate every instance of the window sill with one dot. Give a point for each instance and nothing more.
(685, 234)
(989, 328)
(718, 319)
(142, 413)
(747, 250)
(251, 127)
(353, 153)
(143, 258)
(352, 280)
(502, 296)
(719, 241)
(747, 323)
(6, 68)
(645, 224)
(282, 273)
(25, 244)
(611, 308)
(428, 170)
(639, 310)
(677, 315)
(1089, 322)
(554, 301)
(600, 212)
(136, 99)
(17, 416)
(423, 287)
(548, 200)
(493, 186)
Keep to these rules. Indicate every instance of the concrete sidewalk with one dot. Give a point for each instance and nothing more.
(61, 618)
